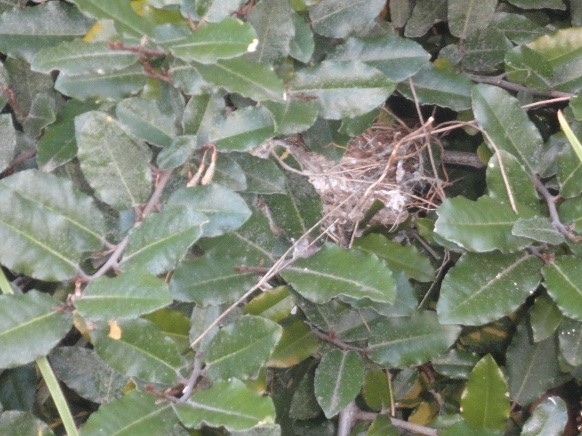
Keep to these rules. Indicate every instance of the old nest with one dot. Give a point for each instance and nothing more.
(387, 164)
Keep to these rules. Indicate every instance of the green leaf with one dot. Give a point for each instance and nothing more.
(484, 403)
(146, 121)
(135, 413)
(343, 89)
(112, 85)
(544, 318)
(114, 163)
(527, 67)
(212, 11)
(479, 226)
(539, 4)
(456, 364)
(240, 349)
(275, 304)
(465, 17)
(23, 423)
(84, 372)
(507, 125)
(398, 58)
(225, 209)
(275, 29)
(532, 368)
(138, 348)
(549, 417)
(32, 319)
(174, 324)
(405, 258)
(163, 239)
(519, 29)
(250, 79)
(336, 271)
(570, 340)
(297, 344)
(538, 229)
(178, 152)
(125, 18)
(78, 57)
(571, 213)
(4, 79)
(40, 115)
(212, 41)
(263, 176)
(293, 115)
(402, 342)
(338, 380)
(302, 45)
(376, 389)
(439, 86)
(424, 15)
(336, 19)
(563, 281)
(18, 387)
(304, 405)
(7, 140)
(484, 50)
(570, 135)
(228, 404)
(125, 296)
(382, 426)
(569, 173)
(46, 225)
(243, 130)
(25, 31)
(481, 288)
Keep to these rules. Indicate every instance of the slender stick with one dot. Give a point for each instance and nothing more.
(510, 86)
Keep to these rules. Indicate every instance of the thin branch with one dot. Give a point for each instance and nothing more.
(410, 426)
(193, 379)
(340, 344)
(510, 86)
(111, 263)
(347, 418)
(161, 181)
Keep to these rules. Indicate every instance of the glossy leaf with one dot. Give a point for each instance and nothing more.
(338, 380)
(507, 125)
(135, 413)
(84, 372)
(250, 79)
(467, 16)
(24, 31)
(145, 120)
(225, 209)
(174, 324)
(32, 319)
(240, 349)
(275, 304)
(114, 163)
(519, 29)
(456, 364)
(531, 368)
(297, 343)
(212, 41)
(398, 58)
(484, 403)
(125, 296)
(382, 426)
(262, 176)
(275, 29)
(78, 57)
(481, 288)
(563, 281)
(570, 340)
(335, 19)
(376, 389)
(336, 271)
(243, 130)
(405, 258)
(7, 140)
(480, 226)
(177, 153)
(528, 67)
(571, 213)
(342, 89)
(229, 404)
(545, 317)
(46, 224)
(292, 115)
(163, 239)
(549, 417)
(402, 342)
(569, 172)
(138, 348)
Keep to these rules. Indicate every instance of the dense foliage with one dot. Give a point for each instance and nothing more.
(173, 262)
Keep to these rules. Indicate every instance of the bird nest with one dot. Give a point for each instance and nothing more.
(384, 166)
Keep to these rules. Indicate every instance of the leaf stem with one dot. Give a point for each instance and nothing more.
(510, 86)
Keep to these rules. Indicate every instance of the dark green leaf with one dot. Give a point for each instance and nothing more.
(22, 423)
(545, 317)
(301, 47)
(201, 113)
(135, 413)
(538, 4)
(4, 79)
(569, 171)
(178, 152)
(484, 50)
(245, 129)
(78, 57)
(519, 29)
(507, 125)
(484, 403)
(336, 19)
(481, 288)
(174, 324)
(40, 115)
(275, 29)
(263, 176)
(125, 296)
(528, 67)
(376, 389)
(145, 120)
(343, 89)
(212, 41)
(481, 226)
(187, 79)
(571, 213)
(24, 31)
(228, 404)
(304, 405)
(83, 371)
(32, 319)
(402, 342)
(46, 224)
(297, 343)
(467, 16)
(405, 258)
(212, 11)
(382, 426)
(275, 304)
(538, 229)
(570, 340)
(456, 364)
(114, 163)
(241, 348)
(563, 281)
(398, 58)
(292, 115)
(549, 417)
(424, 15)
(338, 380)
(18, 387)
(7, 140)
(336, 271)
(138, 348)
